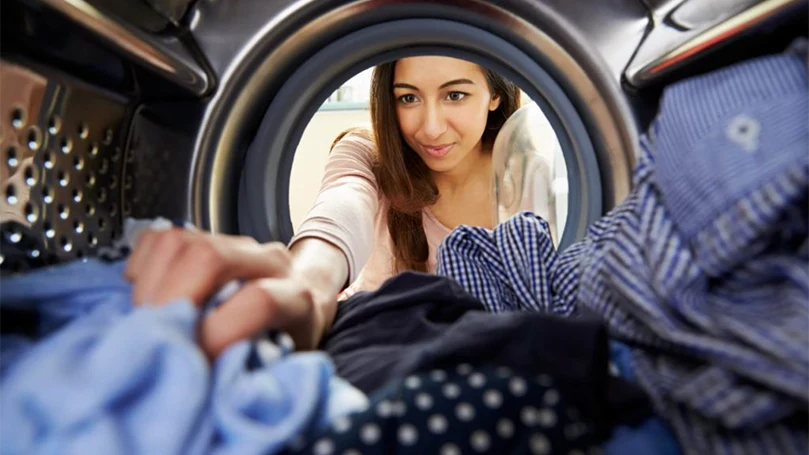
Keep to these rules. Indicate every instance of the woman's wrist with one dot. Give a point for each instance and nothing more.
(322, 269)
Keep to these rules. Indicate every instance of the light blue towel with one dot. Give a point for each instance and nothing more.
(107, 379)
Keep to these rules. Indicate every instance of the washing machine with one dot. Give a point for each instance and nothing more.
(192, 109)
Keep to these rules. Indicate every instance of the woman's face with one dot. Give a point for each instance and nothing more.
(442, 105)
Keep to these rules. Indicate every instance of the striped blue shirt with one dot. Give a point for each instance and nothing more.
(703, 269)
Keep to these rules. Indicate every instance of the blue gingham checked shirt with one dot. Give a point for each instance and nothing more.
(511, 268)
(703, 269)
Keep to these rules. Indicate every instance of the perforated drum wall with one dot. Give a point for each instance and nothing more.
(62, 162)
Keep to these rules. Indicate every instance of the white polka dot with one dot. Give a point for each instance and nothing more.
(298, 443)
(408, 435)
(505, 428)
(477, 380)
(540, 444)
(547, 418)
(545, 380)
(384, 409)
(324, 447)
(492, 399)
(551, 397)
(341, 424)
(503, 372)
(575, 452)
(451, 390)
(464, 369)
(517, 386)
(465, 412)
(424, 401)
(437, 424)
(438, 375)
(369, 433)
(480, 441)
(450, 449)
(352, 452)
(413, 382)
(528, 415)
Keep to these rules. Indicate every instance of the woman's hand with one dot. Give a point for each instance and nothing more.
(281, 290)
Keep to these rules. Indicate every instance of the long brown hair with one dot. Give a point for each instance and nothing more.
(401, 174)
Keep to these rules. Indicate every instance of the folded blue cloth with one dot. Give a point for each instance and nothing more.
(102, 377)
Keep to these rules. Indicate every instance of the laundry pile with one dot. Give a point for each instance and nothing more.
(703, 271)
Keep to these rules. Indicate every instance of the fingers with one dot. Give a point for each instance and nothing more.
(203, 267)
(139, 254)
(176, 263)
(171, 264)
(151, 261)
(259, 305)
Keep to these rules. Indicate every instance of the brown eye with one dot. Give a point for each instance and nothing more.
(456, 96)
(408, 99)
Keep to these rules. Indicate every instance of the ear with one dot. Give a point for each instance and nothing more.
(494, 103)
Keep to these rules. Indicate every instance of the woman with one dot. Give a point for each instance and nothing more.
(386, 202)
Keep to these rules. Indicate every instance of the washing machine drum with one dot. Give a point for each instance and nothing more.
(209, 133)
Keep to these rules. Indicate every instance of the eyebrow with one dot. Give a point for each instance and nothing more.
(445, 84)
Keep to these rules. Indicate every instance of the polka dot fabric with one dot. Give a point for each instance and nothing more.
(460, 411)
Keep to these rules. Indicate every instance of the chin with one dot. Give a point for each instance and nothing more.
(443, 164)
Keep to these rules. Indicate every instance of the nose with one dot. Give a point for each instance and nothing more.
(435, 123)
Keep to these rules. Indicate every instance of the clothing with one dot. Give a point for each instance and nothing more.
(510, 268)
(529, 168)
(94, 375)
(351, 213)
(418, 322)
(509, 279)
(704, 269)
(460, 410)
(652, 436)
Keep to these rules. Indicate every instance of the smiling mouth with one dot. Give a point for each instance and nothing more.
(437, 151)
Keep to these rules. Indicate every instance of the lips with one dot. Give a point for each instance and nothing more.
(437, 150)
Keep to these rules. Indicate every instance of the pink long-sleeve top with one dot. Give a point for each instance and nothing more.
(350, 212)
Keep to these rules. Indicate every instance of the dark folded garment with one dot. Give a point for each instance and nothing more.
(417, 322)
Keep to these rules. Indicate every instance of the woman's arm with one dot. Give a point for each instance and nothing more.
(322, 269)
(294, 289)
(345, 209)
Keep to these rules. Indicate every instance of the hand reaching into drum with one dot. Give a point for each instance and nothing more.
(290, 290)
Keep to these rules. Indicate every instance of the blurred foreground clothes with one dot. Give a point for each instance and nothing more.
(703, 271)
(91, 375)
(461, 410)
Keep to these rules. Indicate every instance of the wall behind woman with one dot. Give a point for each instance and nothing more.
(312, 154)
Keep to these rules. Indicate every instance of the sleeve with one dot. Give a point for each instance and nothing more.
(345, 209)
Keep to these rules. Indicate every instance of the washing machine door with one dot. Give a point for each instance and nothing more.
(193, 110)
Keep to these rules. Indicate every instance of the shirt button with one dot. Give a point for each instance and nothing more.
(744, 131)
